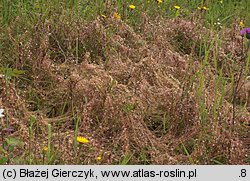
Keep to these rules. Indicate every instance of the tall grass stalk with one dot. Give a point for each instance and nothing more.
(187, 153)
(219, 82)
(32, 121)
(126, 159)
(49, 143)
(77, 155)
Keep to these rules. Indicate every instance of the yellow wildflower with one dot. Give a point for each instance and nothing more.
(205, 8)
(82, 139)
(177, 7)
(199, 8)
(131, 6)
(104, 16)
(116, 15)
(45, 148)
(221, 2)
(242, 25)
(159, 1)
(99, 158)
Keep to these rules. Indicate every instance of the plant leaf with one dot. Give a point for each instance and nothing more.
(3, 160)
(13, 142)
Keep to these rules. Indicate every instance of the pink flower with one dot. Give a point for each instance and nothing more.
(245, 31)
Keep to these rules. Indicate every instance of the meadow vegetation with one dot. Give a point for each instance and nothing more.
(124, 82)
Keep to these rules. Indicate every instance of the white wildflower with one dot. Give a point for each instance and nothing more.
(1, 113)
